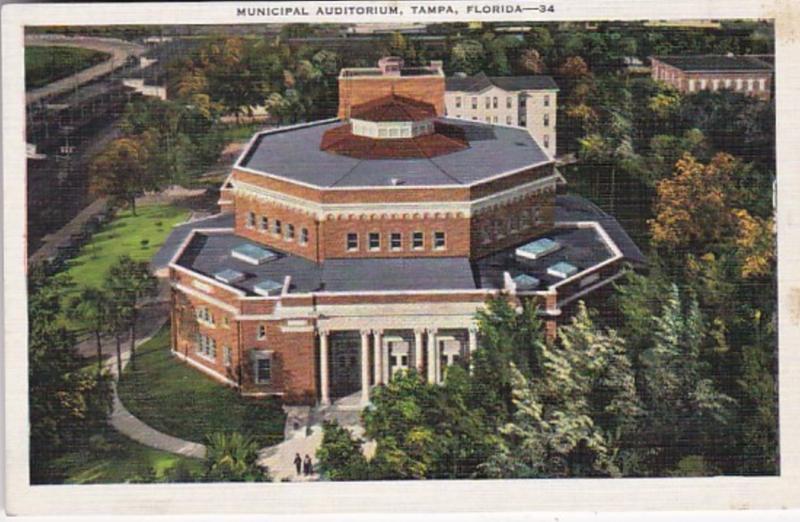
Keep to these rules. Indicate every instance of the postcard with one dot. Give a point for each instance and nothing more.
(339, 257)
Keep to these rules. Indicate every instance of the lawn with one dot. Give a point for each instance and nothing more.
(181, 401)
(112, 458)
(46, 64)
(124, 235)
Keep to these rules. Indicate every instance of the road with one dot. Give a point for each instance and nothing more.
(119, 50)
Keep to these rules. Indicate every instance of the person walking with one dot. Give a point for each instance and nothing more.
(298, 462)
(307, 465)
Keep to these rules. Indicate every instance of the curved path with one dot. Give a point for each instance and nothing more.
(124, 421)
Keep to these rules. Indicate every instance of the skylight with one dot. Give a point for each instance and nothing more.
(253, 254)
(538, 249)
(562, 269)
(526, 282)
(229, 276)
(267, 287)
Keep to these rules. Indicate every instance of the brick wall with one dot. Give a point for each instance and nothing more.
(286, 216)
(355, 91)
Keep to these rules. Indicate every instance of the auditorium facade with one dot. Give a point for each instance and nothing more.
(350, 249)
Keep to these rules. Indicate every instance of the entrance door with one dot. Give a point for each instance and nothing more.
(345, 364)
(398, 355)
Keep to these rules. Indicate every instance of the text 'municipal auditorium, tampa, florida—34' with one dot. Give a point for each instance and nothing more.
(349, 249)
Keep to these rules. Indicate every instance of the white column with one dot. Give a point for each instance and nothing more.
(385, 359)
(473, 345)
(323, 368)
(364, 367)
(376, 361)
(418, 349)
(431, 356)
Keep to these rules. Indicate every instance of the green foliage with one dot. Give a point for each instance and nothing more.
(232, 457)
(44, 65)
(340, 456)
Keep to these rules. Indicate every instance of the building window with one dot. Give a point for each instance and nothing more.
(226, 322)
(227, 356)
(762, 84)
(263, 224)
(290, 232)
(262, 367)
(458, 102)
(523, 102)
(488, 102)
(396, 241)
(488, 119)
(277, 227)
(727, 83)
(417, 241)
(206, 346)
(691, 85)
(474, 102)
(508, 102)
(205, 316)
(508, 120)
(439, 241)
(303, 236)
(546, 141)
(261, 333)
(475, 118)
(251, 220)
(352, 241)
(546, 120)
(494, 102)
(738, 84)
(547, 100)
(522, 121)
(374, 241)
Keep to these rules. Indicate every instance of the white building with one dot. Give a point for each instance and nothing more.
(524, 101)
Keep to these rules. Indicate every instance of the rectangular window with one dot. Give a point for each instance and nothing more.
(290, 232)
(439, 240)
(206, 346)
(226, 322)
(494, 102)
(396, 241)
(251, 220)
(475, 118)
(303, 236)
(262, 367)
(508, 120)
(261, 334)
(546, 120)
(352, 241)
(417, 241)
(374, 241)
(458, 102)
(547, 100)
(508, 102)
(205, 316)
(277, 227)
(762, 84)
(488, 102)
(264, 223)
(227, 356)
(474, 102)
(523, 102)
(546, 141)
(522, 121)
(691, 85)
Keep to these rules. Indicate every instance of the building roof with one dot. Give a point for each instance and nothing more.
(393, 108)
(480, 82)
(445, 139)
(715, 62)
(294, 153)
(179, 234)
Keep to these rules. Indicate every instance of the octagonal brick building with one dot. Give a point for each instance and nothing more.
(350, 249)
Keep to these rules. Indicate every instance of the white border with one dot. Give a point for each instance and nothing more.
(455, 496)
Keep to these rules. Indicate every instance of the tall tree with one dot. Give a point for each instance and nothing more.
(91, 307)
(131, 281)
(120, 171)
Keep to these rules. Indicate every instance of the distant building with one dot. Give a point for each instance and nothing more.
(521, 101)
(746, 74)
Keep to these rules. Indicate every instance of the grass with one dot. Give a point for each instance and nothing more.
(126, 234)
(112, 458)
(46, 64)
(179, 400)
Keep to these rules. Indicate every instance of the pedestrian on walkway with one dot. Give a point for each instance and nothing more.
(307, 469)
(298, 462)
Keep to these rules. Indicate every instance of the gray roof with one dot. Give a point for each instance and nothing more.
(481, 81)
(181, 232)
(715, 62)
(417, 273)
(295, 154)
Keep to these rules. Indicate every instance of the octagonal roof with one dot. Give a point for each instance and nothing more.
(294, 153)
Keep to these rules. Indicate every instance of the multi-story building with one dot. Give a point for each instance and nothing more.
(354, 248)
(523, 101)
(746, 74)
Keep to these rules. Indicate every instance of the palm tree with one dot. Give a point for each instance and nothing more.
(91, 307)
(131, 281)
(232, 457)
(118, 321)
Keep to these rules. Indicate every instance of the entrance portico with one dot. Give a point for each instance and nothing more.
(355, 360)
